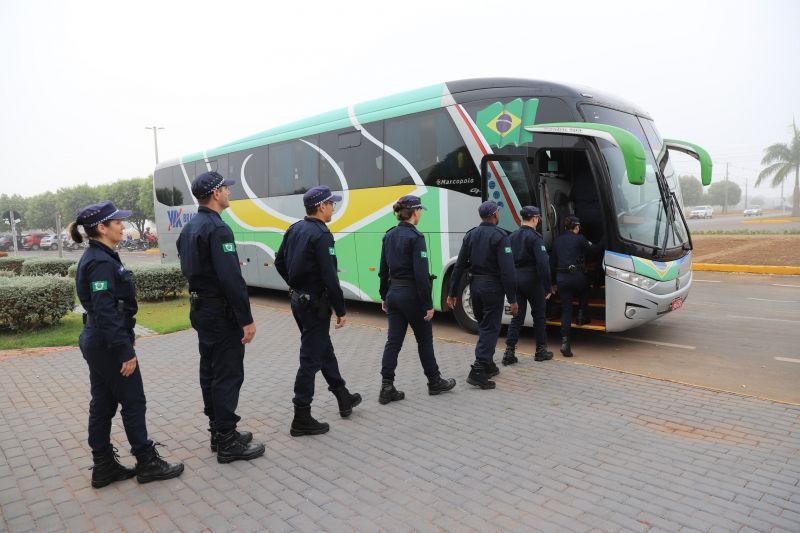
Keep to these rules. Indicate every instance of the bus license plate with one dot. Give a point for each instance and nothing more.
(676, 304)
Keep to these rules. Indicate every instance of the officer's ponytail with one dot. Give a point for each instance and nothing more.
(74, 233)
(402, 213)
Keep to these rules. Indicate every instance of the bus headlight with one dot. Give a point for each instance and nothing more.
(643, 282)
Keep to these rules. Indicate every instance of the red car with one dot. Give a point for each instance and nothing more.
(32, 241)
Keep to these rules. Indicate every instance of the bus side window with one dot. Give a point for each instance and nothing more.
(359, 160)
(163, 186)
(293, 167)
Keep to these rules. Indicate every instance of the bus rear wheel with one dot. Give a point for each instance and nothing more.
(463, 312)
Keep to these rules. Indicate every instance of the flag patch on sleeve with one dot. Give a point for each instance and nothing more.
(98, 286)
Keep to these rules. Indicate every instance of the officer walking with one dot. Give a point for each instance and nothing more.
(306, 260)
(567, 263)
(533, 284)
(406, 298)
(220, 313)
(107, 293)
(486, 251)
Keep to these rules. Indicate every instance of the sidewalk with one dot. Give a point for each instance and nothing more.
(556, 447)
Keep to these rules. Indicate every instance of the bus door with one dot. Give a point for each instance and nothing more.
(507, 180)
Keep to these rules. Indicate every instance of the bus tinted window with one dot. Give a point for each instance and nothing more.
(181, 195)
(293, 167)
(162, 183)
(359, 160)
(249, 169)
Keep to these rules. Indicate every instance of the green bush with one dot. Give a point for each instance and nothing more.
(7, 273)
(46, 267)
(158, 282)
(12, 263)
(72, 271)
(34, 301)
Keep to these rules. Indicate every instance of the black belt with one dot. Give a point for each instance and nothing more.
(486, 277)
(396, 282)
(91, 321)
(571, 269)
(195, 300)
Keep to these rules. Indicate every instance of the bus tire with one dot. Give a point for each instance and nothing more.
(463, 310)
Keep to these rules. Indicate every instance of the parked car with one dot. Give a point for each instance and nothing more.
(702, 211)
(6, 243)
(49, 242)
(753, 211)
(33, 241)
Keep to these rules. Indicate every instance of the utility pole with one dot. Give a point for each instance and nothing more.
(155, 137)
(725, 202)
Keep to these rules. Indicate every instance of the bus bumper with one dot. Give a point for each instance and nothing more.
(628, 306)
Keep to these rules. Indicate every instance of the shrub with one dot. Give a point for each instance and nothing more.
(158, 282)
(3, 254)
(12, 263)
(7, 273)
(46, 267)
(72, 271)
(34, 301)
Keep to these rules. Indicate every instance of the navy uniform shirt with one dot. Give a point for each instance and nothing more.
(102, 283)
(307, 262)
(404, 255)
(486, 250)
(570, 249)
(211, 265)
(529, 252)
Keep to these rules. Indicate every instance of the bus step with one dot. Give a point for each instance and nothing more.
(594, 325)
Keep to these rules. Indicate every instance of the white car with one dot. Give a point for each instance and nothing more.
(702, 211)
(753, 211)
(49, 242)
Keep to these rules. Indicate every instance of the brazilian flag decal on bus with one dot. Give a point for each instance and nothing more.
(502, 125)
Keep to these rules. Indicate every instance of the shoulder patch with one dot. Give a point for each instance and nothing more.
(228, 246)
(423, 254)
(331, 250)
(543, 248)
(98, 286)
(508, 249)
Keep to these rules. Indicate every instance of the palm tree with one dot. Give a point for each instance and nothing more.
(781, 159)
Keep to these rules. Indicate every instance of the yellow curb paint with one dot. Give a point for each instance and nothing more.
(772, 221)
(152, 251)
(751, 269)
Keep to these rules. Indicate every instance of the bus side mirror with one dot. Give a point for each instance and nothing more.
(695, 151)
(632, 150)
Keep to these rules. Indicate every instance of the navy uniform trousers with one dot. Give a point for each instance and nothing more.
(221, 355)
(487, 303)
(570, 284)
(316, 353)
(529, 289)
(403, 308)
(109, 389)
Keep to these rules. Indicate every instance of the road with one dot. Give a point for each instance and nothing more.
(772, 222)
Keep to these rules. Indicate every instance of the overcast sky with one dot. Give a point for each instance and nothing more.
(81, 80)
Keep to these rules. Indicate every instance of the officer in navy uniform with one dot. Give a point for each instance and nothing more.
(486, 251)
(306, 260)
(533, 284)
(405, 290)
(220, 313)
(108, 295)
(567, 264)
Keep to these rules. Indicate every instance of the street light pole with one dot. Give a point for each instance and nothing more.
(155, 137)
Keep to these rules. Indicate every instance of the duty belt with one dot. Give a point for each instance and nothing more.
(397, 282)
(91, 321)
(486, 277)
(195, 300)
(571, 269)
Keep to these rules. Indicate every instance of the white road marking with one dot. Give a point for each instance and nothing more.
(787, 360)
(776, 301)
(785, 285)
(657, 343)
(764, 318)
(708, 280)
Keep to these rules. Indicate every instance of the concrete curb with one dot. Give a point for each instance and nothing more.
(751, 269)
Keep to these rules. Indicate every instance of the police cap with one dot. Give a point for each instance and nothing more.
(529, 211)
(411, 202)
(95, 214)
(208, 182)
(318, 195)
(572, 221)
(488, 208)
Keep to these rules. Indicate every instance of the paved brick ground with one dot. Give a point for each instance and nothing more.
(557, 447)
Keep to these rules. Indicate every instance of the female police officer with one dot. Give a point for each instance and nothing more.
(406, 298)
(107, 293)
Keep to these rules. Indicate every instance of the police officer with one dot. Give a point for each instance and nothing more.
(220, 313)
(405, 290)
(567, 264)
(486, 251)
(533, 284)
(306, 260)
(107, 293)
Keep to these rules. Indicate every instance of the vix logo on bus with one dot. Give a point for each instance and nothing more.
(177, 218)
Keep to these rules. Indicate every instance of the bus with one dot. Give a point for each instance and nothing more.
(456, 144)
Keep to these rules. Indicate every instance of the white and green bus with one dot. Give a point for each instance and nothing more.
(516, 141)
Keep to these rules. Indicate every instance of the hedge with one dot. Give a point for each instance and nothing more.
(12, 263)
(46, 267)
(34, 301)
(7, 273)
(158, 282)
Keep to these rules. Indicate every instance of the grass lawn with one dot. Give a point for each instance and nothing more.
(161, 317)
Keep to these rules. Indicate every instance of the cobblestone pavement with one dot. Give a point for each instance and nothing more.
(556, 447)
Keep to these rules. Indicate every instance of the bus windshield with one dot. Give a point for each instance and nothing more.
(641, 214)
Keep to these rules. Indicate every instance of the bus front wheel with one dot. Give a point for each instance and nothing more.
(463, 312)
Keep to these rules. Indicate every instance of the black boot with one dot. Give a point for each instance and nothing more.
(542, 354)
(509, 358)
(389, 393)
(477, 376)
(232, 447)
(305, 424)
(491, 369)
(346, 400)
(151, 467)
(566, 351)
(243, 436)
(438, 384)
(107, 469)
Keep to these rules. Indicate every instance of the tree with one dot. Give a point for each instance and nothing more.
(40, 213)
(716, 193)
(72, 199)
(146, 198)
(781, 161)
(16, 203)
(126, 194)
(691, 190)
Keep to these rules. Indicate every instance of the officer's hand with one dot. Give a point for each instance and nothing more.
(384, 307)
(548, 295)
(514, 309)
(451, 302)
(249, 332)
(128, 367)
(340, 321)
(429, 315)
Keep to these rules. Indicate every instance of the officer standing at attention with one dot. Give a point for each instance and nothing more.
(220, 313)
(107, 293)
(533, 284)
(406, 298)
(306, 260)
(486, 251)
(567, 263)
